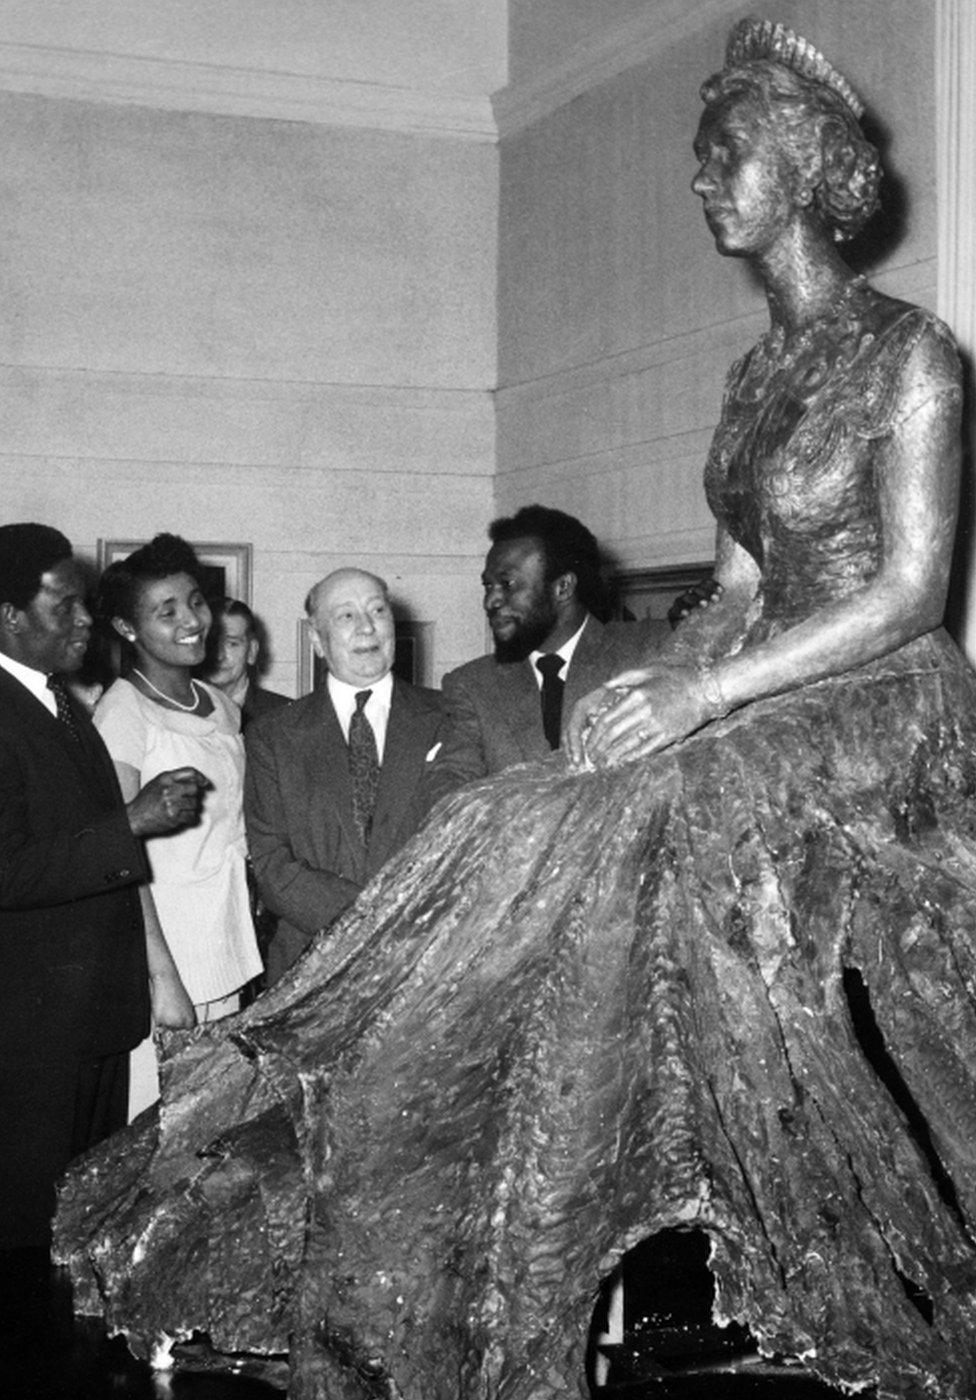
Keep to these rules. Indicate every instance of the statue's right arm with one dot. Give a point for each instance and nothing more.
(718, 629)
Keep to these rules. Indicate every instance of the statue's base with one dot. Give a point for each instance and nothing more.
(737, 1381)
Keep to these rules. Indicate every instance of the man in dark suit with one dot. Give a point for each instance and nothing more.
(236, 647)
(332, 781)
(543, 594)
(74, 978)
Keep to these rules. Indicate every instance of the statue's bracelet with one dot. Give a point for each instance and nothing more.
(711, 689)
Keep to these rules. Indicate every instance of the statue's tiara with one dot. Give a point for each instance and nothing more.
(754, 39)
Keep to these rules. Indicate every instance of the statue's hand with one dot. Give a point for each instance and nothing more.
(638, 713)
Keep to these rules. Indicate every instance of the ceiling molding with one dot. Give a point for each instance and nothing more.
(92, 76)
(595, 62)
(179, 85)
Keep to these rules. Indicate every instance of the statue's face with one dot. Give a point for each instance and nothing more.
(743, 179)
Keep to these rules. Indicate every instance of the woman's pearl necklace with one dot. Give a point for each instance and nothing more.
(163, 696)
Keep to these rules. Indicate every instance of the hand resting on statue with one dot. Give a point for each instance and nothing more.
(638, 713)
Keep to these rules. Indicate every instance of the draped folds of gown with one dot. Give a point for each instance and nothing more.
(580, 1008)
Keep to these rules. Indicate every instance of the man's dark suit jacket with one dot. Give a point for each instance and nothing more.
(495, 711)
(259, 702)
(74, 983)
(307, 854)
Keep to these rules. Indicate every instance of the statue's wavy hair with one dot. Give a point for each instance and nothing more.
(834, 160)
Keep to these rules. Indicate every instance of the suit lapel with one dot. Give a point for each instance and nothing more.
(589, 667)
(398, 749)
(519, 698)
(98, 758)
(87, 754)
(409, 735)
(324, 750)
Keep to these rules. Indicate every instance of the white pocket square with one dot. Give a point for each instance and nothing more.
(433, 753)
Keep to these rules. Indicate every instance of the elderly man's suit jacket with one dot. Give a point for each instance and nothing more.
(495, 711)
(308, 857)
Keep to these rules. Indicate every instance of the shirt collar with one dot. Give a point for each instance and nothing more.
(565, 651)
(343, 695)
(239, 692)
(34, 681)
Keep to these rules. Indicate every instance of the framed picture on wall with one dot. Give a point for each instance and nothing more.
(642, 595)
(413, 660)
(226, 567)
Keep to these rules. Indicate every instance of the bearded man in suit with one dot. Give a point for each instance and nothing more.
(332, 785)
(77, 975)
(543, 596)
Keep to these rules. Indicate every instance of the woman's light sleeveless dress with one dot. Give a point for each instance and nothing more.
(578, 1009)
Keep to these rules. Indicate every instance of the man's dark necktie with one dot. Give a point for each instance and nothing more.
(364, 766)
(552, 696)
(66, 714)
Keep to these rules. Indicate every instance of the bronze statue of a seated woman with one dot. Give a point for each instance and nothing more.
(599, 1000)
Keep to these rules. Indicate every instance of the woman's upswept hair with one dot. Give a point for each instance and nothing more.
(121, 583)
(820, 134)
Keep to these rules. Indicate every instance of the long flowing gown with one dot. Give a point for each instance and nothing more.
(580, 1008)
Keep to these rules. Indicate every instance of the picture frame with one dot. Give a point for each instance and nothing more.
(227, 567)
(413, 661)
(645, 595)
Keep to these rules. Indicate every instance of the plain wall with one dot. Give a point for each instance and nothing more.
(546, 35)
(290, 335)
(618, 320)
(253, 331)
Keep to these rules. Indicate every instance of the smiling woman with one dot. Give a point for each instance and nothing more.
(160, 716)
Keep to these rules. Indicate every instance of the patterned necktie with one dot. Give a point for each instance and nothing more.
(66, 714)
(552, 696)
(364, 766)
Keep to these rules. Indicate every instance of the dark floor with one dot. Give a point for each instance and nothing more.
(672, 1349)
(48, 1354)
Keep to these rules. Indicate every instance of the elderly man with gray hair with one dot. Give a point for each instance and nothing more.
(332, 782)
